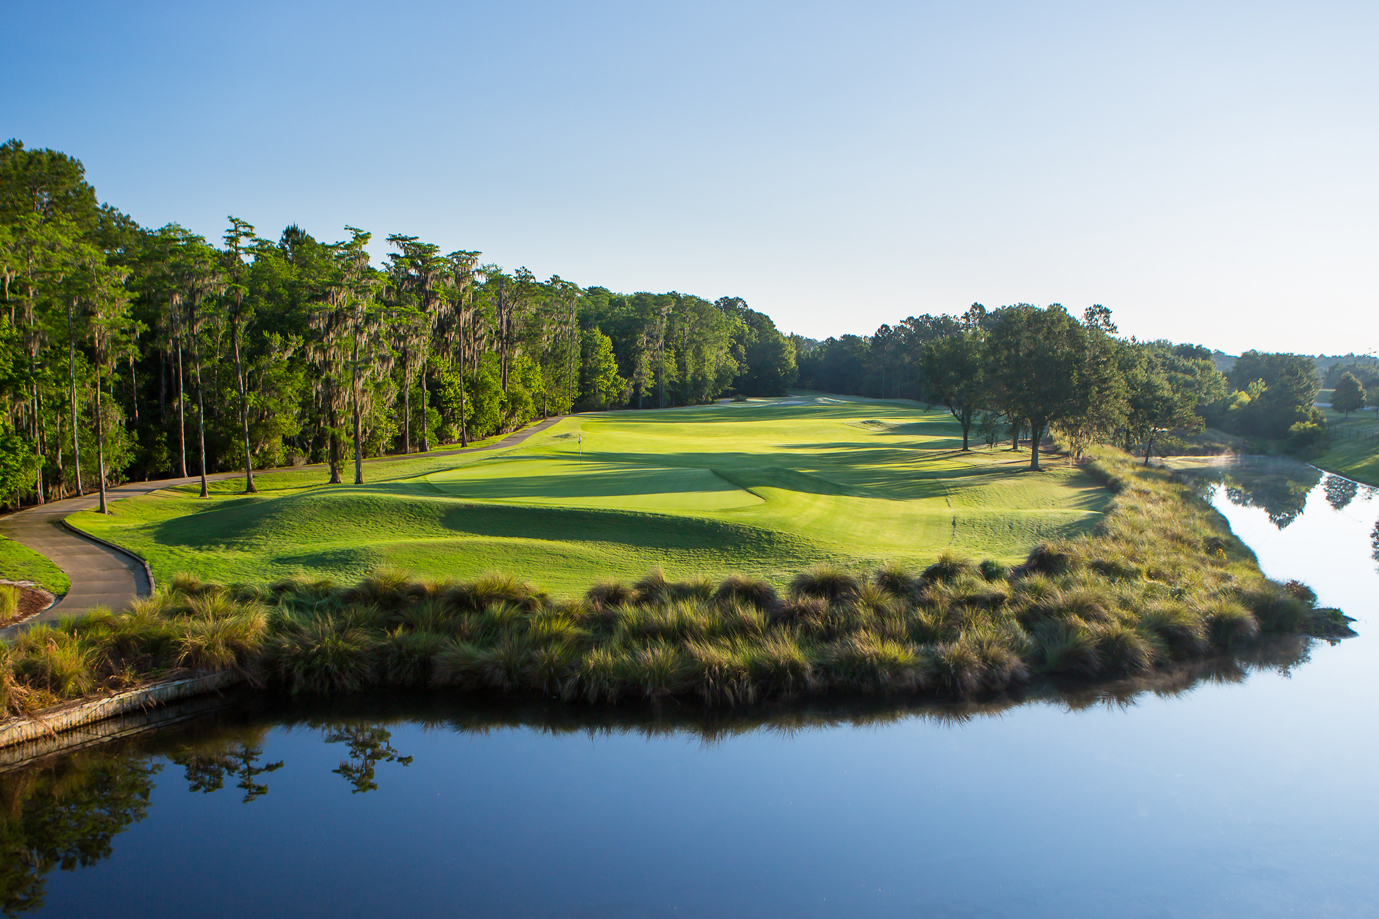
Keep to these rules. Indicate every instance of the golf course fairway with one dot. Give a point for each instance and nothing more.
(766, 487)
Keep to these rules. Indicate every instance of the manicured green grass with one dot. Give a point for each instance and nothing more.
(1354, 447)
(20, 563)
(762, 488)
(1160, 585)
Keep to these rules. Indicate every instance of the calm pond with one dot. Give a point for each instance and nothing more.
(1250, 792)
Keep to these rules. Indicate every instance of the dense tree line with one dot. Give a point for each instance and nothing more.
(135, 352)
(1026, 370)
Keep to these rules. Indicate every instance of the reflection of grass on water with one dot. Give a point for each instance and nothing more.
(1161, 583)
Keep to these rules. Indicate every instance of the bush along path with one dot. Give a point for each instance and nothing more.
(1161, 584)
(105, 576)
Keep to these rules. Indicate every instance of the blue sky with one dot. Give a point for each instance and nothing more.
(1206, 170)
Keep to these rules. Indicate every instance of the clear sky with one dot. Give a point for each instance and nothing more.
(1208, 170)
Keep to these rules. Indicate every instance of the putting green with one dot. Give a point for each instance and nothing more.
(766, 487)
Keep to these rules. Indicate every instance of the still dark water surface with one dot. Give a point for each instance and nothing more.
(1253, 797)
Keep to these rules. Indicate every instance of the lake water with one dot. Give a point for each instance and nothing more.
(1253, 796)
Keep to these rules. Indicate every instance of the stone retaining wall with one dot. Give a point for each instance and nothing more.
(78, 723)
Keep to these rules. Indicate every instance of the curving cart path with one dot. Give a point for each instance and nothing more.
(103, 575)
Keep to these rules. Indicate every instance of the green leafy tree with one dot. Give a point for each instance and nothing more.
(1283, 389)
(1348, 396)
(460, 329)
(1038, 358)
(953, 370)
(600, 386)
(112, 338)
(238, 240)
(417, 273)
(1163, 394)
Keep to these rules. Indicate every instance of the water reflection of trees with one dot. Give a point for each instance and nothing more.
(1282, 497)
(1278, 487)
(368, 745)
(1340, 491)
(66, 811)
(66, 814)
(208, 765)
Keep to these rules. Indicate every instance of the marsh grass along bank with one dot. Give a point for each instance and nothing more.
(1159, 584)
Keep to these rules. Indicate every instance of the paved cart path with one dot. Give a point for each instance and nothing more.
(102, 575)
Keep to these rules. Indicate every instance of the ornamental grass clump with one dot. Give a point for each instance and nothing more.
(825, 582)
(9, 602)
(1159, 588)
(738, 588)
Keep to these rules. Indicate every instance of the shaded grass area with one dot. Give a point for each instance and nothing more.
(1160, 584)
(764, 488)
(20, 563)
(1353, 448)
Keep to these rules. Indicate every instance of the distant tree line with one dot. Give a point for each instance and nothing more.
(134, 352)
(1028, 370)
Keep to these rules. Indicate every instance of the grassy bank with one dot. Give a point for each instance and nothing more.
(20, 563)
(761, 488)
(1160, 582)
(1353, 447)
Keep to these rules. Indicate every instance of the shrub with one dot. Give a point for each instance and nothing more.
(993, 570)
(56, 660)
(221, 643)
(1181, 630)
(388, 588)
(320, 657)
(895, 580)
(1122, 649)
(607, 594)
(949, 567)
(1068, 647)
(828, 582)
(1047, 559)
(406, 658)
(739, 588)
(1229, 623)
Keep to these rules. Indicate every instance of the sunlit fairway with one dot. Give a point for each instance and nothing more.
(765, 487)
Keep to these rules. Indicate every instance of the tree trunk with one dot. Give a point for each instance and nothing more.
(38, 450)
(100, 440)
(72, 393)
(334, 449)
(1149, 446)
(133, 393)
(406, 406)
(464, 434)
(966, 420)
(425, 405)
(358, 438)
(1036, 434)
(249, 488)
(200, 412)
(181, 415)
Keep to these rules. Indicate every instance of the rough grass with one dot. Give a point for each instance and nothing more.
(1160, 584)
(761, 489)
(20, 563)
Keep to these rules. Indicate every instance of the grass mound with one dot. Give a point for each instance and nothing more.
(1162, 582)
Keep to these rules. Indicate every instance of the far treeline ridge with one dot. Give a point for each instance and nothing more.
(128, 352)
